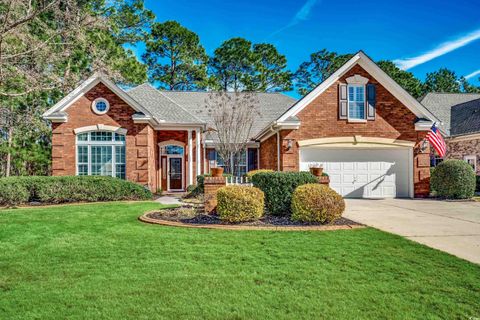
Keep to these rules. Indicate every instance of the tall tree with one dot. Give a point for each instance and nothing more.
(232, 65)
(320, 66)
(46, 47)
(468, 87)
(404, 78)
(270, 70)
(175, 57)
(443, 80)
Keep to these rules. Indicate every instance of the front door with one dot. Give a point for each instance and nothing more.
(175, 174)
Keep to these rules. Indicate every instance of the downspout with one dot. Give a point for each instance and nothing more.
(278, 150)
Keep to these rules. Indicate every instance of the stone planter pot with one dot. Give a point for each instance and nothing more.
(216, 172)
(317, 172)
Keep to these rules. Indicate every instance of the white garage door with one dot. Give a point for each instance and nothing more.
(363, 173)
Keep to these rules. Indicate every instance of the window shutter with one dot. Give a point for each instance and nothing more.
(371, 100)
(342, 101)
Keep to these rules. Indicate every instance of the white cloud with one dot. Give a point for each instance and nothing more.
(473, 74)
(302, 15)
(440, 50)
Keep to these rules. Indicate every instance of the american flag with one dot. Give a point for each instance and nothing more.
(436, 140)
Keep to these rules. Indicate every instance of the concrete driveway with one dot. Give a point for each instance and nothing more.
(453, 227)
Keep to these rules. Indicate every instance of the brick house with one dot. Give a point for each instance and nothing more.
(460, 125)
(366, 131)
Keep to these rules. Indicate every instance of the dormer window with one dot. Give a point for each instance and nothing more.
(356, 102)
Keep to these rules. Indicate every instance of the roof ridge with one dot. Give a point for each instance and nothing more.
(170, 99)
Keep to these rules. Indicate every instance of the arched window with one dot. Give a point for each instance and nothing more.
(101, 153)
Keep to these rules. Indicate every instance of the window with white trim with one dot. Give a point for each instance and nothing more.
(101, 153)
(471, 160)
(100, 106)
(239, 162)
(356, 102)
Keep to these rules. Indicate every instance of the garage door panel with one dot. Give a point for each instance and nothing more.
(360, 173)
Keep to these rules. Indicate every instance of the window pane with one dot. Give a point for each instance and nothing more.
(120, 171)
(100, 136)
(83, 169)
(119, 137)
(101, 106)
(82, 154)
(82, 137)
(360, 94)
(101, 160)
(119, 154)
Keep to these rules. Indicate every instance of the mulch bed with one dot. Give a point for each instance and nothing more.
(188, 216)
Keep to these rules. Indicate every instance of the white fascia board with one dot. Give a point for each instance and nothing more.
(372, 68)
(212, 144)
(423, 125)
(57, 119)
(88, 84)
(276, 126)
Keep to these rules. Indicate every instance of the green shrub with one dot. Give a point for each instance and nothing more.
(70, 189)
(191, 188)
(240, 203)
(251, 173)
(200, 181)
(453, 179)
(278, 188)
(12, 194)
(477, 189)
(315, 202)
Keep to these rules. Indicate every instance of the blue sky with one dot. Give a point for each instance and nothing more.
(435, 33)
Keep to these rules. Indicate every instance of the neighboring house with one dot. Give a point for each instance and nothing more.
(459, 114)
(367, 132)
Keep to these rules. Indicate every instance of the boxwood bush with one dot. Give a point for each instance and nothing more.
(279, 187)
(251, 173)
(20, 190)
(316, 203)
(240, 203)
(453, 179)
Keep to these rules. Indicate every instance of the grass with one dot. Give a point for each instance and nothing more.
(96, 261)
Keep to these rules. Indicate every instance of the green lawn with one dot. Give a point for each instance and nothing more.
(98, 262)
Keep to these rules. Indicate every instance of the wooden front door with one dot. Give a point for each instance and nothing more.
(175, 173)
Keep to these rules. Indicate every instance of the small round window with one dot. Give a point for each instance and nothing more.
(100, 106)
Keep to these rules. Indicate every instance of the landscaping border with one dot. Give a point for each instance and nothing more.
(146, 219)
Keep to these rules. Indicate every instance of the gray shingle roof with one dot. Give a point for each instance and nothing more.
(185, 107)
(162, 108)
(459, 112)
(270, 106)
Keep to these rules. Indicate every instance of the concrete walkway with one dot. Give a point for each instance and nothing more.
(169, 199)
(453, 227)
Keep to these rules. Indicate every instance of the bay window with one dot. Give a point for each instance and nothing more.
(101, 153)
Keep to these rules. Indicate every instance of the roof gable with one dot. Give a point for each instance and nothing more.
(375, 71)
(86, 86)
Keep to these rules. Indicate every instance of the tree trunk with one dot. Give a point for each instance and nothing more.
(9, 152)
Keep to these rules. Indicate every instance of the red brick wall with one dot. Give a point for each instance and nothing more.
(139, 139)
(320, 119)
(268, 153)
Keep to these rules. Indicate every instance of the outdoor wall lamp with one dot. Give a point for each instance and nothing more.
(289, 144)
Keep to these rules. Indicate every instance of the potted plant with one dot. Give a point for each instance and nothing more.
(216, 172)
(316, 169)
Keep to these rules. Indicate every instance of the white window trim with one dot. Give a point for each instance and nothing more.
(246, 159)
(356, 85)
(94, 106)
(88, 143)
(474, 158)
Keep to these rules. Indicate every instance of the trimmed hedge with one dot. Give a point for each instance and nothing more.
(279, 187)
(477, 189)
(240, 203)
(251, 173)
(20, 190)
(453, 179)
(316, 203)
